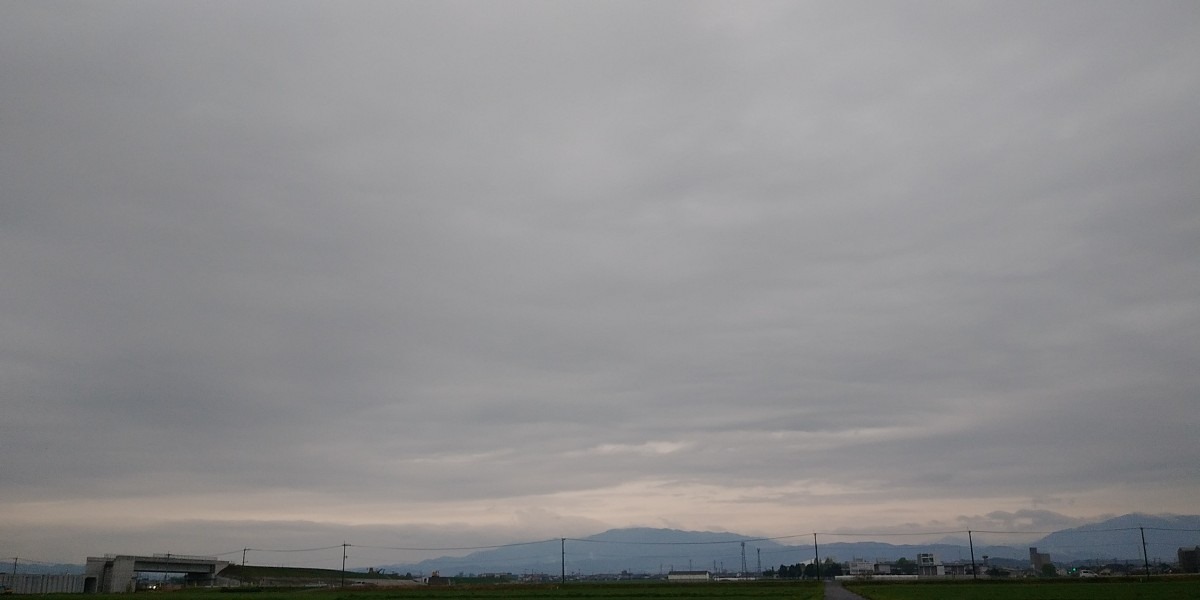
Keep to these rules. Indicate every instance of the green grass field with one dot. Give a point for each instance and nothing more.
(1123, 589)
(570, 591)
(1100, 589)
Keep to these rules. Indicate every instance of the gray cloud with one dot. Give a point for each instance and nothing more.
(608, 263)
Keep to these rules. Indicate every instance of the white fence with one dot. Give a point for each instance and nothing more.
(42, 584)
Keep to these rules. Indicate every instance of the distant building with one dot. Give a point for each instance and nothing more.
(1189, 560)
(1038, 560)
(860, 567)
(436, 578)
(689, 576)
(41, 584)
(960, 568)
(929, 565)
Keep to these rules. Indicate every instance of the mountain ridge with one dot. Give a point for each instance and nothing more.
(648, 550)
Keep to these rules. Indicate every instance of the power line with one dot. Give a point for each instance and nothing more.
(293, 550)
(461, 547)
(637, 543)
(831, 533)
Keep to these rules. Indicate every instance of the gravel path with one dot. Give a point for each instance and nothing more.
(835, 591)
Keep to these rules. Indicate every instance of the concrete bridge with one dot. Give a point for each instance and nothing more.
(117, 573)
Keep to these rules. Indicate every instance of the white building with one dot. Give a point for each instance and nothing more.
(860, 567)
(929, 565)
(689, 576)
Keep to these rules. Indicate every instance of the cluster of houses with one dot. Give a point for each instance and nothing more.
(928, 565)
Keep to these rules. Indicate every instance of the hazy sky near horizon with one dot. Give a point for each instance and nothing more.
(288, 274)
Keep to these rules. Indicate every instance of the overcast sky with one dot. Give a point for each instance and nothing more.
(288, 274)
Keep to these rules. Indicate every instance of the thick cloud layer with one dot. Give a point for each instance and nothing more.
(525, 268)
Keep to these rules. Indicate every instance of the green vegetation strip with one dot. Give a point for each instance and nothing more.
(570, 591)
(582, 591)
(251, 573)
(1102, 589)
(1098, 589)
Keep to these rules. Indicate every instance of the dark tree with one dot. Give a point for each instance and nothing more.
(829, 568)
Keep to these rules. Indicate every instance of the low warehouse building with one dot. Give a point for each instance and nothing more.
(41, 584)
(689, 576)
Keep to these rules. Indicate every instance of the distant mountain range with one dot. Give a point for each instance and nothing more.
(1120, 538)
(653, 551)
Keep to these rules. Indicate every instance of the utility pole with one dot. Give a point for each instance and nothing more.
(759, 552)
(563, 542)
(344, 545)
(744, 569)
(816, 557)
(1145, 559)
(244, 557)
(971, 541)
